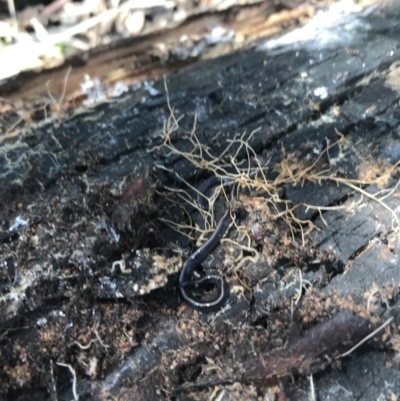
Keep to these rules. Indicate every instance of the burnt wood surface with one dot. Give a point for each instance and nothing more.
(89, 272)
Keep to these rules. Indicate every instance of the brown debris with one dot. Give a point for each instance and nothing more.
(327, 339)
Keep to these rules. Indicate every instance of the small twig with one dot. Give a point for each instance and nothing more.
(100, 340)
(72, 370)
(300, 289)
(312, 389)
(53, 382)
(367, 337)
(87, 346)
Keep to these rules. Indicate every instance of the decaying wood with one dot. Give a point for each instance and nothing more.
(89, 266)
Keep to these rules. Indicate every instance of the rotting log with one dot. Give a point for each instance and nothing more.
(89, 272)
